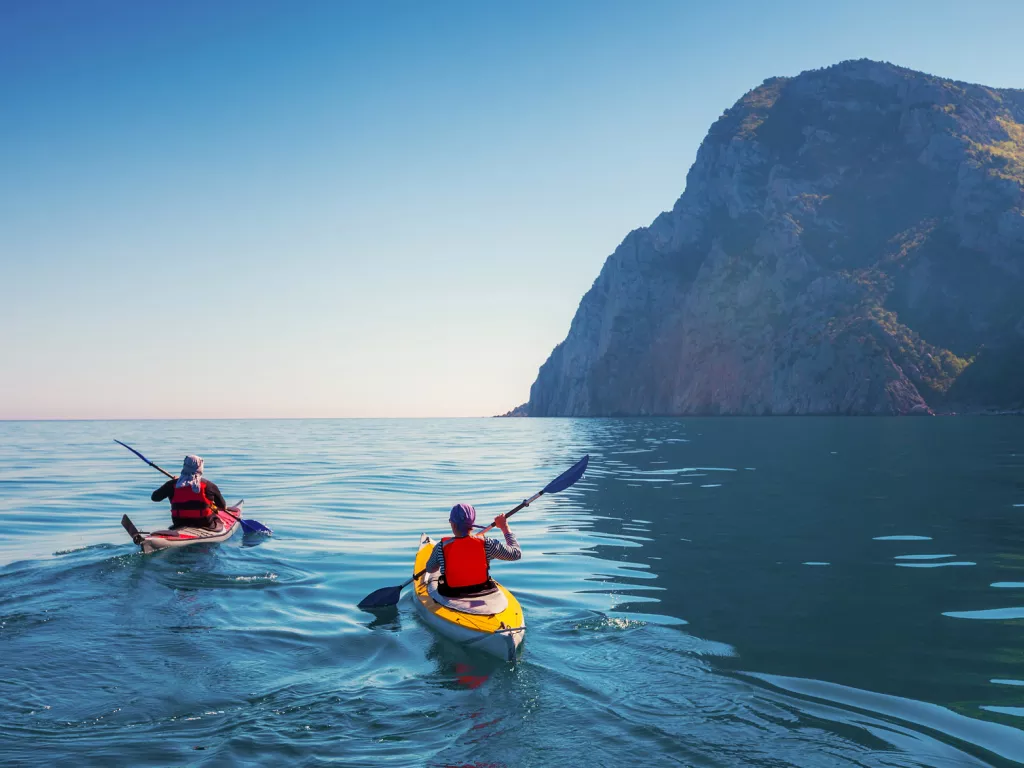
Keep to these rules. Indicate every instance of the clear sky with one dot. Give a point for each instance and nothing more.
(256, 209)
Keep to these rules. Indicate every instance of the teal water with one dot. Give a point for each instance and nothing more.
(714, 592)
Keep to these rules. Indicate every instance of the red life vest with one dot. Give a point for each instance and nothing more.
(191, 508)
(465, 562)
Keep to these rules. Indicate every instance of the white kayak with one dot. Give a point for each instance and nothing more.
(490, 623)
(228, 522)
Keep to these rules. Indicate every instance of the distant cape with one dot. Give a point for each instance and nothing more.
(849, 241)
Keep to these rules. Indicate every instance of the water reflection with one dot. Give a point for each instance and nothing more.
(253, 539)
(993, 614)
(387, 618)
(902, 538)
(954, 563)
(461, 667)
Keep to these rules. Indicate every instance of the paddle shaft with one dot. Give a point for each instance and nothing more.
(522, 505)
(154, 466)
(168, 474)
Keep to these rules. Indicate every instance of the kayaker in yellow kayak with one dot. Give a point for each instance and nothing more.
(464, 559)
(194, 499)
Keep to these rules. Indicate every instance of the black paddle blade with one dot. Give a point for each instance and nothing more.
(129, 526)
(382, 598)
(570, 476)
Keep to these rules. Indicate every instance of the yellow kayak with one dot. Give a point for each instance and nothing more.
(491, 623)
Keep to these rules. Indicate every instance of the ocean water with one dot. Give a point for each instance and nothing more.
(714, 592)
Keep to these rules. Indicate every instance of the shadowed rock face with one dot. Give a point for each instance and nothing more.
(850, 240)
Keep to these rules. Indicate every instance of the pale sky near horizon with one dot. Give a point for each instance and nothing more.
(271, 209)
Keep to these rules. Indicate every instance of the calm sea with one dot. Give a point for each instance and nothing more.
(714, 592)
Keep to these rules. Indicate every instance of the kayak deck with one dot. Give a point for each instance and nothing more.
(499, 634)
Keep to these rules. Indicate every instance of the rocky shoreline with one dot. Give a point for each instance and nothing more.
(520, 412)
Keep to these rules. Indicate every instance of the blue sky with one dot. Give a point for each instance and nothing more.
(263, 209)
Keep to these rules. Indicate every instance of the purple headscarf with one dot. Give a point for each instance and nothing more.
(463, 516)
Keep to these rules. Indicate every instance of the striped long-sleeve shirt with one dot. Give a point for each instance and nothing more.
(495, 551)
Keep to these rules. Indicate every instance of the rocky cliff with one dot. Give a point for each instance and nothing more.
(850, 240)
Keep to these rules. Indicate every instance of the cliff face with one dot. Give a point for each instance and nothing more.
(850, 240)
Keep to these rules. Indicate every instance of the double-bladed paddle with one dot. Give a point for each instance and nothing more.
(389, 595)
(249, 526)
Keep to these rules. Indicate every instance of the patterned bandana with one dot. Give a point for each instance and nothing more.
(191, 473)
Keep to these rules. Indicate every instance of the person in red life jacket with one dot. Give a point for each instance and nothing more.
(464, 559)
(194, 499)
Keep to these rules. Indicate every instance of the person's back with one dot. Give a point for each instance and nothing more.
(194, 499)
(464, 558)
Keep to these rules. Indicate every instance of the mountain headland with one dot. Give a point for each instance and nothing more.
(849, 241)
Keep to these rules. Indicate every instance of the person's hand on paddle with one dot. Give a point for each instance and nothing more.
(501, 523)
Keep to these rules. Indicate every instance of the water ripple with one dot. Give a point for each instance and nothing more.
(646, 599)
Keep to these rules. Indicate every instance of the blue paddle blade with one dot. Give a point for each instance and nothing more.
(255, 526)
(134, 451)
(382, 598)
(567, 478)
